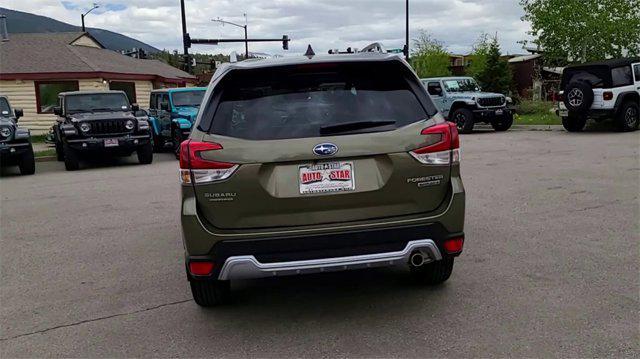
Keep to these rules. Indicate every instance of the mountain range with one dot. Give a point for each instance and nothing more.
(24, 22)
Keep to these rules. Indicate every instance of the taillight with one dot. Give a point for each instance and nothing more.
(558, 96)
(454, 245)
(607, 96)
(195, 169)
(200, 268)
(443, 152)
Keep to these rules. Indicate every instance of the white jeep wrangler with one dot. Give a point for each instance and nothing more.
(601, 90)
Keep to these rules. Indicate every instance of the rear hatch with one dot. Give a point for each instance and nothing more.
(318, 144)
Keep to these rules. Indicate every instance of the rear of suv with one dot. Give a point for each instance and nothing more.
(601, 90)
(307, 165)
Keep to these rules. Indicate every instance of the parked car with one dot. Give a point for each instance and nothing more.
(99, 122)
(462, 102)
(15, 141)
(601, 90)
(311, 164)
(172, 112)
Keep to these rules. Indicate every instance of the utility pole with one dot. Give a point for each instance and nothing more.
(95, 6)
(246, 42)
(406, 38)
(185, 43)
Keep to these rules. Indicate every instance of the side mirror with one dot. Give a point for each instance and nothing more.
(435, 91)
(135, 107)
(57, 111)
(18, 113)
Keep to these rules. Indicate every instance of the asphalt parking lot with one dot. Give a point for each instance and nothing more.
(92, 266)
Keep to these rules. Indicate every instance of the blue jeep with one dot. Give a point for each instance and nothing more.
(460, 100)
(172, 112)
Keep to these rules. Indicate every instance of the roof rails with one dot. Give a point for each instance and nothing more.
(374, 47)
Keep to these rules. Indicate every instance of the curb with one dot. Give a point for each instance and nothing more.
(527, 127)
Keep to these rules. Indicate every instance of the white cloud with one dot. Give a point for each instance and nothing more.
(324, 24)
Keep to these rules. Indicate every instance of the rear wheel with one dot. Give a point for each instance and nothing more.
(71, 158)
(145, 154)
(574, 122)
(435, 272)
(210, 293)
(176, 137)
(463, 118)
(628, 118)
(503, 123)
(27, 163)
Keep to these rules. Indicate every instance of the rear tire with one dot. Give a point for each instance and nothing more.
(59, 152)
(435, 272)
(27, 163)
(176, 137)
(158, 143)
(574, 122)
(71, 158)
(145, 154)
(503, 123)
(210, 293)
(463, 118)
(628, 117)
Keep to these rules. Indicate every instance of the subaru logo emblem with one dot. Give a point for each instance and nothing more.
(325, 149)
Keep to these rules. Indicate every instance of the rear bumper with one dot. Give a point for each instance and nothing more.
(248, 266)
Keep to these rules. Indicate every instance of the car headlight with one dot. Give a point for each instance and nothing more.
(5, 132)
(129, 125)
(509, 99)
(85, 127)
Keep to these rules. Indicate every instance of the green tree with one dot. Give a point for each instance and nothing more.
(430, 57)
(584, 30)
(496, 74)
(478, 56)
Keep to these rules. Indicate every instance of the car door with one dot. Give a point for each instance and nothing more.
(164, 114)
(437, 95)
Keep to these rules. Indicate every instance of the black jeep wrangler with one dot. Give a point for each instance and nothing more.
(100, 122)
(601, 90)
(15, 142)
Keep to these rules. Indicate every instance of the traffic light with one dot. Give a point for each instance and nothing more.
(285, 42)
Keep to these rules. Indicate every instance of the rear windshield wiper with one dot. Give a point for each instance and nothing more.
(352, 126)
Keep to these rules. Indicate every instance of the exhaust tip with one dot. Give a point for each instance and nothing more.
(416, 259)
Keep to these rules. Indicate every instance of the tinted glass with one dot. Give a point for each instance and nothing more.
(296, 102)
(5, 111)
(622, 76)
(48, 93)
(434, 88)
(636, 69)
(187, 98)
(96, 102)
(597, 77)
(461, 85)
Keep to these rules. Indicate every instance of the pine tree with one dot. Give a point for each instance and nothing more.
(496, 74)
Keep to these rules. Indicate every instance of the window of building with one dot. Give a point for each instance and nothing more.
(128, 87)
(47, 93)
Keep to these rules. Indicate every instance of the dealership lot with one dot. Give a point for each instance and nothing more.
(92, 266)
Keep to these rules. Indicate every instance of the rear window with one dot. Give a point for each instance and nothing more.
(301, 101)
(622, 76)
(598, 77)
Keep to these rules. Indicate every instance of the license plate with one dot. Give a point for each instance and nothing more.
(499, 112)
(111, 142)
(326, 177)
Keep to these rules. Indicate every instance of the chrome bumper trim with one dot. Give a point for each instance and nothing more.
(247, 266)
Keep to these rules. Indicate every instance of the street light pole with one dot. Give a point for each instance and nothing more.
(95, 6)
(406, 39)
(246, 42)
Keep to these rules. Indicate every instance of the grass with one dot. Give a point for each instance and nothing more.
(38, 138)
(536, 113)
(46, 153)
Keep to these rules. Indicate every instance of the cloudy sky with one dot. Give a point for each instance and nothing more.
(323, 23)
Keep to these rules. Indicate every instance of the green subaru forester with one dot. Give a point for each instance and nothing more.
(314, 164)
